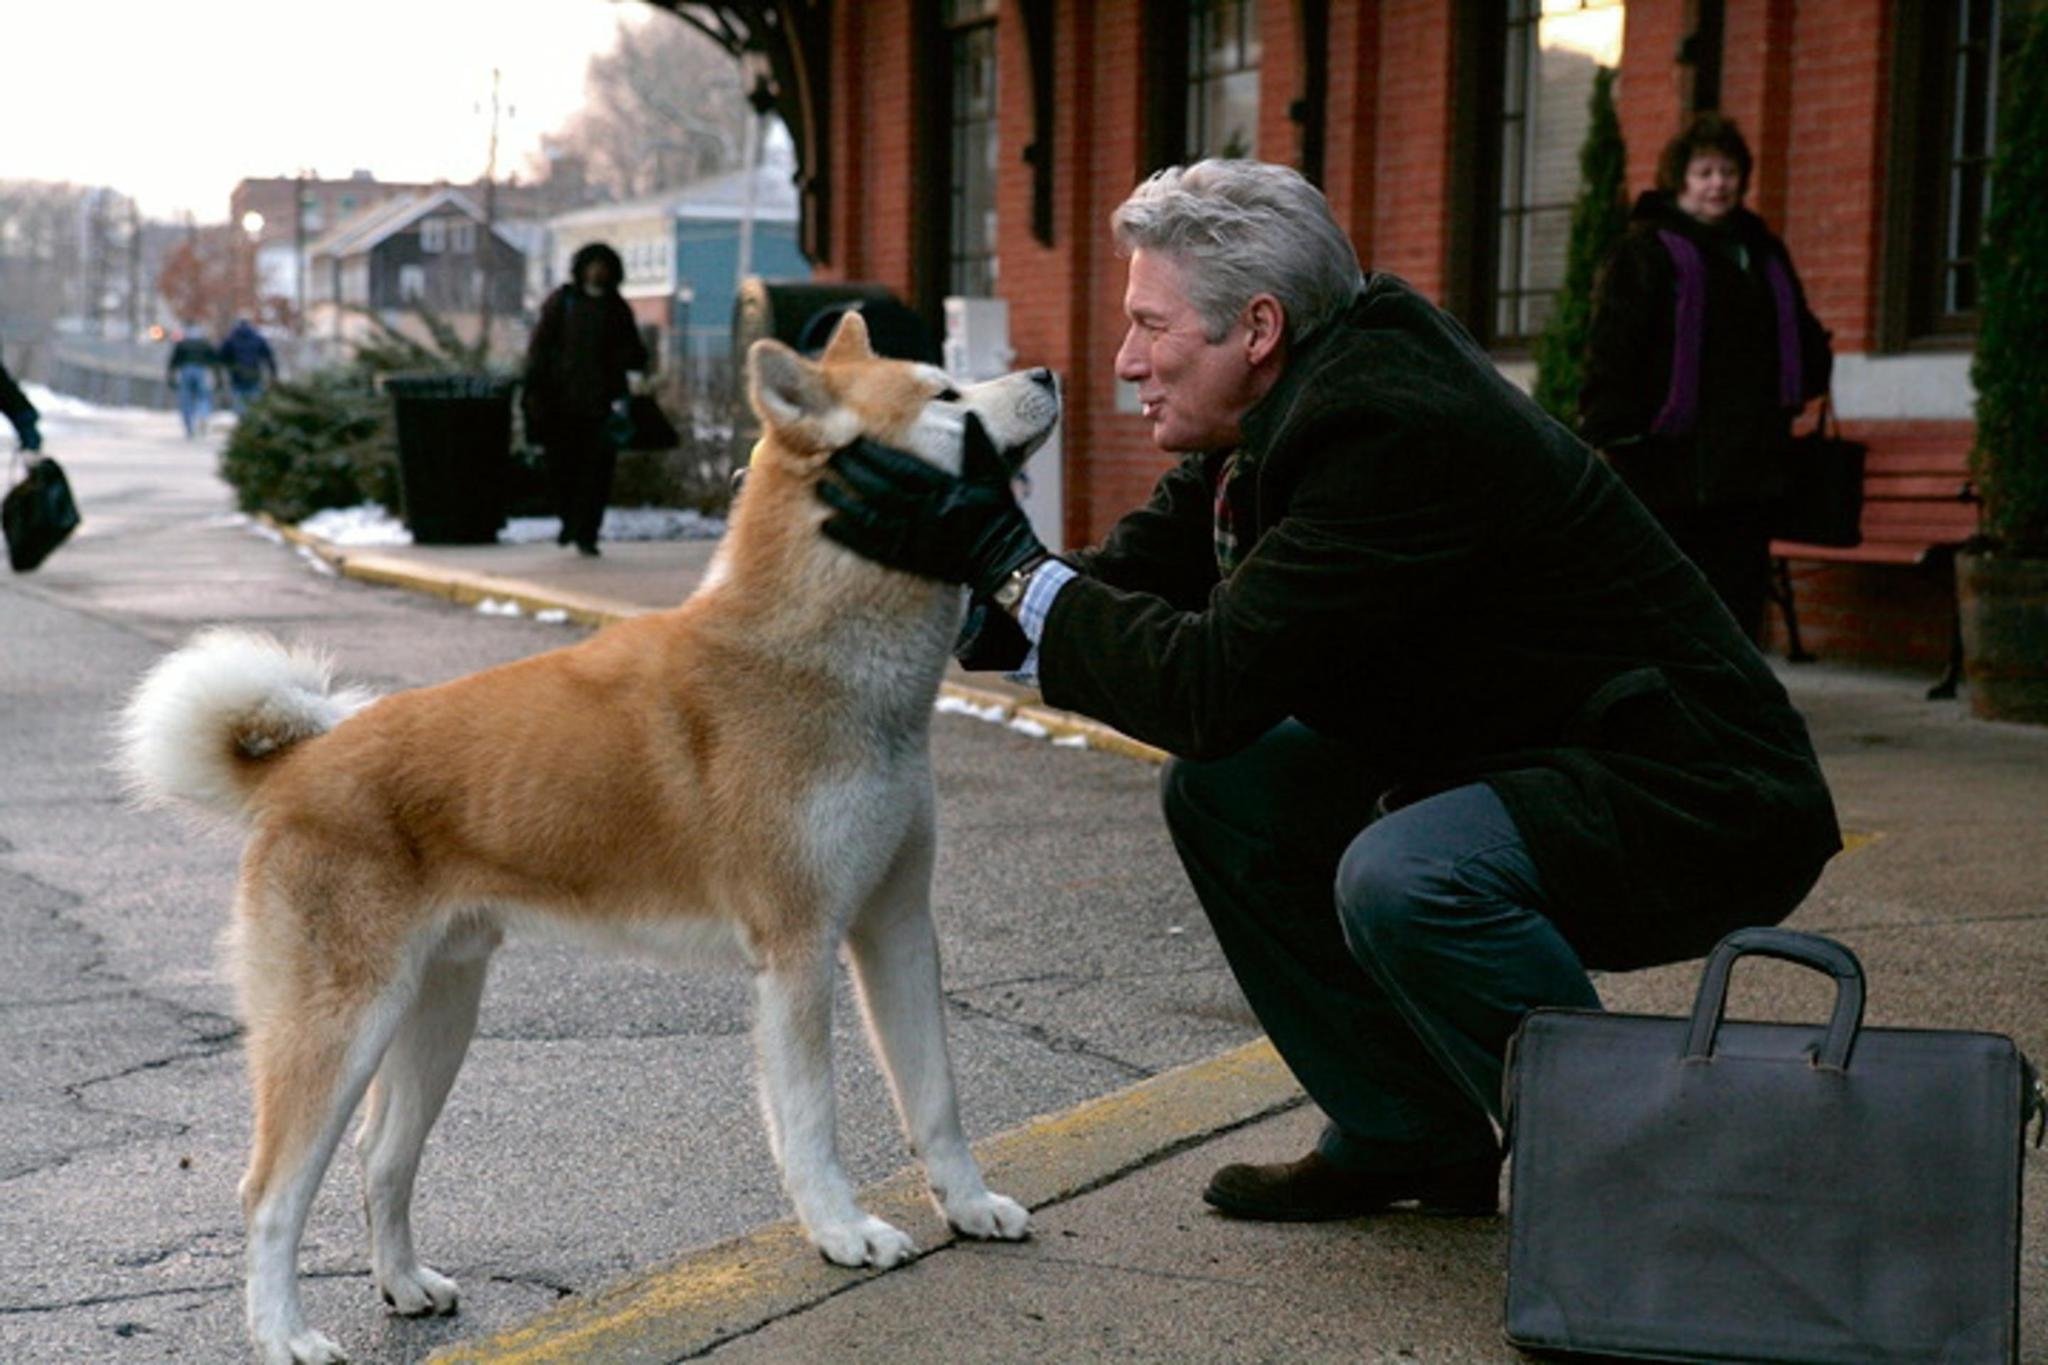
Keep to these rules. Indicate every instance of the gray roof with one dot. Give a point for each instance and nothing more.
(715, 197)
(354, 235)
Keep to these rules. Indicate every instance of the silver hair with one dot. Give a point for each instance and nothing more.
(1240, 229)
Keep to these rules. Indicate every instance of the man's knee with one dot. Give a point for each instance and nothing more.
(1379, 900)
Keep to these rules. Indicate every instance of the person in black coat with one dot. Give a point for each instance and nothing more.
(1453, 719)
(20, 412)
(1702, 351)
(576, 365)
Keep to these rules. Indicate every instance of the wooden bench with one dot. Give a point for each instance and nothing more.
(1919, 507)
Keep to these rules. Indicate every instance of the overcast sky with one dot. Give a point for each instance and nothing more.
(173, 101)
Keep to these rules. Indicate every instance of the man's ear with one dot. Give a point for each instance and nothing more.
(1265, 328)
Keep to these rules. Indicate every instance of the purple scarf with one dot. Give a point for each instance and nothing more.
(1680, 412)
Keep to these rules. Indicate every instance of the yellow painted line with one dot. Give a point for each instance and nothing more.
(735, 1286)
(1853, 839)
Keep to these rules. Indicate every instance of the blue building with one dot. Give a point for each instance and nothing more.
(682, 250)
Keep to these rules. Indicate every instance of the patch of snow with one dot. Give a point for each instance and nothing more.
(1070, 742)
(1029, 727)
(553, 616)
(372, 524)
(491, 606)
(960, 706)
(367, 524)
(316, 563)
(52, 404)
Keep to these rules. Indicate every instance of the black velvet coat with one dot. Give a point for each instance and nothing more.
(1442, 576)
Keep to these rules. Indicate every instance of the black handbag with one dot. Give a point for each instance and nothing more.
(638, 423)
(37, 514)
(1823, 499)
(1702, 1190)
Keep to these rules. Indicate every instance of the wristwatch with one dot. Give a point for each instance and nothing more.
(1009, 594)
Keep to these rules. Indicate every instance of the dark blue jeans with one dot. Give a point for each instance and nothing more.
(1389, 959)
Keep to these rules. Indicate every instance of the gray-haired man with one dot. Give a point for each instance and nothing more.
(1454, 721)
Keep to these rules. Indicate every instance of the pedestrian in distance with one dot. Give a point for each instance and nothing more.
(583, 348)
(1453, 721)
(250, 364)
(1702, 351)
(191, 371)
(20, 412)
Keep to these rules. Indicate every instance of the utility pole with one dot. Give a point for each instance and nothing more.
(488, 246)
(134, 271)
(299, 252)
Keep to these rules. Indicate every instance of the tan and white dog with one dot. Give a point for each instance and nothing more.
(744, 778)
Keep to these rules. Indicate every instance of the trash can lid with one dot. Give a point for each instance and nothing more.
(447, 385)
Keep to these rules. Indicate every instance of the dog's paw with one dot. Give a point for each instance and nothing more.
(302, 1348)
(865, 1241)
(418, 1293)
(990, 1217)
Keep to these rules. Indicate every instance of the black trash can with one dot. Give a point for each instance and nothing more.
(454, 455)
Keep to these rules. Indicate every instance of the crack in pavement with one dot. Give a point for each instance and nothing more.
(1058, 1042)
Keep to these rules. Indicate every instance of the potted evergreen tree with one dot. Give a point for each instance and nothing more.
(2002, 582)
(1599, 220)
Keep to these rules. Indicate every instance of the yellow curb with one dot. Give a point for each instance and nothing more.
(735, 1286)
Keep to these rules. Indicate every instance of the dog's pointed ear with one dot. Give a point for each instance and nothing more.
(785, 387)
(793, 400)
(849, 340)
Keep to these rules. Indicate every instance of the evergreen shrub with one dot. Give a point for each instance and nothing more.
(2010, 371)
(1599, 219)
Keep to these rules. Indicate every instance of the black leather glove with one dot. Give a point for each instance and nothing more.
(902, 512)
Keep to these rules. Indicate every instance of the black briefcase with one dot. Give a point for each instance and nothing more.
(1700, 1190)
(37, 514)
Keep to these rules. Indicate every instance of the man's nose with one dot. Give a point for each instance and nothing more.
(1129, 361)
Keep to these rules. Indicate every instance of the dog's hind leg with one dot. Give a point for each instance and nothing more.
(315, 1039)
(793, 1030)
(404, 1101)
(894, 951)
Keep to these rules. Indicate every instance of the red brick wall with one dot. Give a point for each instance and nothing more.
(1805, 80)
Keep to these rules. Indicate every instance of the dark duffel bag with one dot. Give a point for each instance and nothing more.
(1696, 1190)
(37, 514)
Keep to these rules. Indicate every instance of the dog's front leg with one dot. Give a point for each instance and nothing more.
(894, 951)
(793, 1032)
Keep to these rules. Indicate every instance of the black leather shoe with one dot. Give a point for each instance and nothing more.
(586, 549)
(1314, 1190)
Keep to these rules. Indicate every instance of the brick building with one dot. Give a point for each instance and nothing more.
(979, 146)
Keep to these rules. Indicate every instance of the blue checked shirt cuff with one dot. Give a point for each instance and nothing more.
(1032, 611)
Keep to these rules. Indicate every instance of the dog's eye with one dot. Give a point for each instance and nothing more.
(948, 395)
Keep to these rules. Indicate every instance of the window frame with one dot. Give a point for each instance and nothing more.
(1916, 261)
(976, 272)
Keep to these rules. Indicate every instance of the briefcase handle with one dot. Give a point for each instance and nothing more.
(1808, 950)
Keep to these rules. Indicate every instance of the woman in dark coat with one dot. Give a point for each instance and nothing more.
(1702, 351)
(583, 346)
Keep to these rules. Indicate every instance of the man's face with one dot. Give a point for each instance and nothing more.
(1193, 390)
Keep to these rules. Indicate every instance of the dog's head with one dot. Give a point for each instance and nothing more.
(810, 409)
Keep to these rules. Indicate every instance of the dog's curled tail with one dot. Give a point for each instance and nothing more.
(204, 719)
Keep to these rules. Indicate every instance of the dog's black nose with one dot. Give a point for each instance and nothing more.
(1042, 375)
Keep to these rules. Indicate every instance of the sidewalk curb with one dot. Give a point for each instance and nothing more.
(734, 1287)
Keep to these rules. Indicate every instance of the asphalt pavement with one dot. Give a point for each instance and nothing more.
(601, 1183)
(1940, 893)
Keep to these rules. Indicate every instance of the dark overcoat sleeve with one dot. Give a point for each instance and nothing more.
(1167, 547)
(1371, 541)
